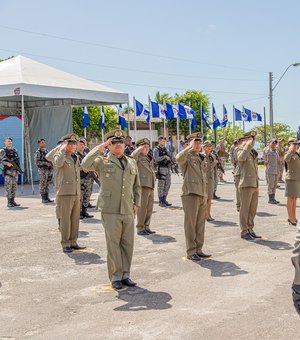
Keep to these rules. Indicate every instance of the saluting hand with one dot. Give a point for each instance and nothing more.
(292, 147)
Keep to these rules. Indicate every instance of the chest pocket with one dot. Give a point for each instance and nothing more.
(109, 171)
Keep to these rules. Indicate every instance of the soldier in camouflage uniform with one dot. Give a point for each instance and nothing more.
(45, 169)
(11, 167)
(85, 182)
(163, 162)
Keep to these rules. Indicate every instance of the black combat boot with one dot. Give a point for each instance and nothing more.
(49, 199)
(85, 213)
(162, 202)
(44, 199)
(10, 203)
(81, 214)
(166, 202)
(14, 203)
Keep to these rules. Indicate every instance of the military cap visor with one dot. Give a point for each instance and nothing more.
(143, 141)
(70, 138)
(292, 141)
(6, 138)
(196, 136)
(250, 134)
(116, 135)
(207, 143)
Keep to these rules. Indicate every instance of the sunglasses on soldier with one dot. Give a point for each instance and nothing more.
(113, 142)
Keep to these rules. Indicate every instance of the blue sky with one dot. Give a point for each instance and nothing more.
(224, 48)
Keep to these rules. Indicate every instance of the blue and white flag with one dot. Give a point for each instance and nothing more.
(86, 118)
(225, 117)
(204, 118)
(186, 112)
(255, 117)
(237, 115)
(246, 115)
(141, 111)
(216, 122)
(172, 111)
(121, 117)
(158, 111)
(102, 118)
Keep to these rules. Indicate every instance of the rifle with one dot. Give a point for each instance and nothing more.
(94, 176)
(14, 166)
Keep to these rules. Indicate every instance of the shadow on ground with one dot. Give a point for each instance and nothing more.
(218, 224)
(275, 245)
(221, 269)
(86, 258)
(264, 214)
(143, 299)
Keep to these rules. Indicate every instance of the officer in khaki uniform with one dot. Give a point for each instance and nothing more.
(248, 185)
(194, 196)
(272, 163)
(146, 170)
(119, 199)
(222, 154)
(67, 187)
(237, 175)
(281, 153)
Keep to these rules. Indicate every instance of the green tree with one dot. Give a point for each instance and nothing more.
(280, 130)
(229, 133)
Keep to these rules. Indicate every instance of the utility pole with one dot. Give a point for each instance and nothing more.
(271, 103)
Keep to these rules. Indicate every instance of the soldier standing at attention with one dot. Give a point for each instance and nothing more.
(119, 199)
(232, 152)
(128, 146)
(67, 186)
(162, 159)
(45, 169)
(248, 186)
(222, 154)
(85, 182)
(272, 163)
(211, 162)
(194, 196)
(145, 166)
(281, 153)
(10, 159)
(214, 154)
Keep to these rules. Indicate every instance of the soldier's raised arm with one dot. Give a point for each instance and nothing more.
(181, 157)
(90, 161)
(243, 152)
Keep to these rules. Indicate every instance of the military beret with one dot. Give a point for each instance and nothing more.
(196, 136)
(250, 134)
(70, 138)
(292, 140)
(161, 137)
(116, 135)
(143, 141)
(207, 143)
(8, 138)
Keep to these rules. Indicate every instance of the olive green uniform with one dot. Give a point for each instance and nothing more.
(194, 198)
(236, 178)
(120, 191)
(147, 180)
(248, 186)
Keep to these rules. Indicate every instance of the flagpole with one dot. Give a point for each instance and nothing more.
(102, 130)
(134, 117)
(177, 128)
(165, 132)
(84, 132)
(201, 125)
(190, 121)
(150, 115)
(233, 121)
(265, 127)
(128, 118)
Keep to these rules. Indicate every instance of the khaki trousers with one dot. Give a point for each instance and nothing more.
(237, 191)
(68, 210)
(194, 207)
(296, 257)
(146, 208)
(119, 233)
(272, 183)
(249, 201)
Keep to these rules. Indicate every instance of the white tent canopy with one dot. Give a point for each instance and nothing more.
(44, 96)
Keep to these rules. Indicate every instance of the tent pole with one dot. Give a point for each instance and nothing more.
(22, 178)
(128, 119)
(134, 117)
(27, 145)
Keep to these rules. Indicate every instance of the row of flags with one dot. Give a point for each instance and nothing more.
(176, 111)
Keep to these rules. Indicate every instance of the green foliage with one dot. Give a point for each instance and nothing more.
(191, 98)
(229, 133)
(94, 130)
(280, 130)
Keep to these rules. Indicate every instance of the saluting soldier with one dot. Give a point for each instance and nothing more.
(248, 185)
(222, 154)
(232, 152)
(45, 169)
(163, 162)
(281, 153)
(119, 199)
(237, 175)
(10, 159)
(67, 186)
(194, 196)
(146, 170)
(272, 163)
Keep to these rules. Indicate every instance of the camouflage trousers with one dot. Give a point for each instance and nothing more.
(11, 183)
(45, 176)
(165, 183)
(86, 192)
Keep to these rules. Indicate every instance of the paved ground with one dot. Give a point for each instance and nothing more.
(242, 292)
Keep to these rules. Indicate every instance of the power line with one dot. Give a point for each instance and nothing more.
(130, 69)
(127, 50)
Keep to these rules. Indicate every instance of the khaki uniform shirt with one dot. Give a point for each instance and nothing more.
(248, 167)
(194, 168)
(221, 151)
(146, 169)
(292, 159)
(67, 178)
(120, 189)
(237, 170)
(272, 162)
